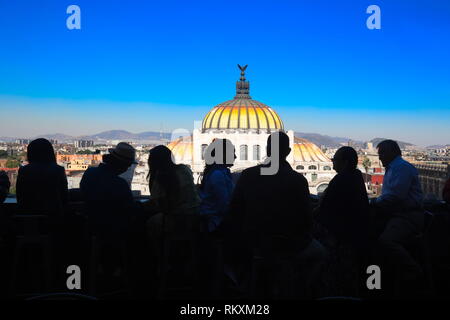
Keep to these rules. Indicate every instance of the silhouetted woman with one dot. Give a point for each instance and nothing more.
(42, 189)
(217, 184)
(42, 184)
(172, 186)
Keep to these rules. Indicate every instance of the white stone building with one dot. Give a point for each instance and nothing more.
(247, 123)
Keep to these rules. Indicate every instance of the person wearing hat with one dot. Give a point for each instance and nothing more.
(108, 197)
(109, 202)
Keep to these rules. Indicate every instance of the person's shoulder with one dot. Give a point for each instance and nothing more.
(90, 171)
(402, 163)
(183, 168)
(299, 177)
(61, 169)
(255, 170)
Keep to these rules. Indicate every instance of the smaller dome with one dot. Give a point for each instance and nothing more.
(306, 151)
(182, 149)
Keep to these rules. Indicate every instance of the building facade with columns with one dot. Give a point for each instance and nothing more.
(247, 123)
(433, 176)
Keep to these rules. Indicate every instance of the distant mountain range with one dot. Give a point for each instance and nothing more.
(324, 140)
(334, 142)
(402, 144)
(318, 139)
(438, 146)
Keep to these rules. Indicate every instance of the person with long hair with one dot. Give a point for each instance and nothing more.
(217, 184)
(42, 184)
(172, 193)
(172, 188)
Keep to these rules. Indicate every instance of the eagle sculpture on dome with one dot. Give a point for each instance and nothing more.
(242, 68)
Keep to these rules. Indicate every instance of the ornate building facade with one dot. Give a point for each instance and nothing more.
(247, 123)
(433, 177)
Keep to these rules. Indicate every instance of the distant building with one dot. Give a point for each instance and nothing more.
(247, 123)
(23, 141)
(432, 177)
(83, 143)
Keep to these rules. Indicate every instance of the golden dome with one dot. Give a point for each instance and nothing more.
(242, 112)
(306, 151)
(182, 149)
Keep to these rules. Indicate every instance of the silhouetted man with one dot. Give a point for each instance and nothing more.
(271, 213)
(110, 205)
(344, 208)
(401, 202)
(108, 197)
(343, 224)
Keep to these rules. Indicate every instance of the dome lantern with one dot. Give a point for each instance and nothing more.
(242, 86)
(242, 113)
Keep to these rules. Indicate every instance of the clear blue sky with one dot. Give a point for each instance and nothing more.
(137, 65)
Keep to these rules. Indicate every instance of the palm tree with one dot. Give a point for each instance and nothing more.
(366, 164)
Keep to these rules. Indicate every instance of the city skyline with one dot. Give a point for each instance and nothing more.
(144, 65)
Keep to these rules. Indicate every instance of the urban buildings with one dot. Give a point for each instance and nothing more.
(83, 143)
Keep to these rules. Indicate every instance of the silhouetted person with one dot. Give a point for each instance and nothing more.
(41, 188)
(109, 201)
(344, 214)
(172, 193)
(217, 183)
(172, 188)
(42, 184)
(4, 186)
(215, 193)
(271, 213)
(400, 204)
(446, 192)
(111, 210)
(344, 208)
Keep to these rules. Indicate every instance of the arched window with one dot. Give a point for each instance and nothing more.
(243, 152)
(314, 176)
(203, 151)
(327, 168)
(257, 152)
(312, 167)
(300, 167)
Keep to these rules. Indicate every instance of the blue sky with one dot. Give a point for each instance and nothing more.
(143, 65)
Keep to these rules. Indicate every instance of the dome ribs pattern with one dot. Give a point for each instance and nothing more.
(242, 114)
(182, 149)
(305, 151)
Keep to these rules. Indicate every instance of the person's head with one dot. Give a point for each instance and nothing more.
(160, 158)
(121, 157)
(161, 163)
(41, 151)
(344, 159)
(219, 153)
(388, 150)
(283, 144)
